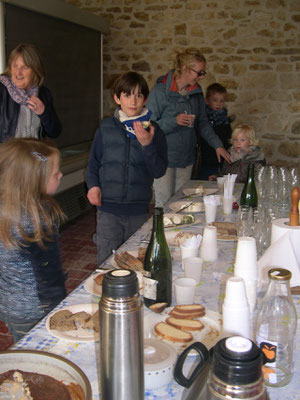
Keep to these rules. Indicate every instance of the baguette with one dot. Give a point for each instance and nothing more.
(185, 324)
(171, 333)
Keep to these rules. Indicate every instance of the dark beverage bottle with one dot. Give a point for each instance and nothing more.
(157, 265)
(249, 193)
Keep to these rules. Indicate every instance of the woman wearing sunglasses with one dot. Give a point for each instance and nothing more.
(178, 106)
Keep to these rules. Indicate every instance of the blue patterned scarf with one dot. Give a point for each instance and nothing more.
(20, 96)
(217, 117)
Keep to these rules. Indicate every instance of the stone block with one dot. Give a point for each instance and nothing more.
(142, 66)
(260, 67)
(290, 149)
(294, 107)
(180, 29)
(296, 128)
(221, 68)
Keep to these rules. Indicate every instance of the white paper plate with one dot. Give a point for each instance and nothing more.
(80, 335)
(91, 286)
(209, 335)
(193, 191)
(195, 207)
(170, 235)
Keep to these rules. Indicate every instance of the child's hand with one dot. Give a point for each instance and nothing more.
(94, 196)
(144, 137)
(212, 177)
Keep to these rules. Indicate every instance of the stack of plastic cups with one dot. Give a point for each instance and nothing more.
(208, 248)
(236, 313)
(246, 267)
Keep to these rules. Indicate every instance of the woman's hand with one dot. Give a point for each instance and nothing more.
(143, 136)
(221, 152)
(36, 105)
(185, 119)
(94, 196)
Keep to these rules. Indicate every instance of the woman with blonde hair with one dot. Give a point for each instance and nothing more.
(31, 276)
(26, 107)
(178, 106)
(244, 151)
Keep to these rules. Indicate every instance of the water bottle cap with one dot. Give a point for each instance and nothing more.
(120, 283)
(279, 274)
(237, 361)
(238, 344)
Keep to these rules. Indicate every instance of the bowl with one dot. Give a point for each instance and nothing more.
(159, 361)
(45, 363)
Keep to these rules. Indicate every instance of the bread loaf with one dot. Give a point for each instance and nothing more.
(171, 333)
(185, 324)
(128, 261)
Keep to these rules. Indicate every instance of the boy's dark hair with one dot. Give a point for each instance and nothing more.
(128, 82)
(215, 88)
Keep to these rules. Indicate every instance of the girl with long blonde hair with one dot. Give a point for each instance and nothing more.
(31, 276)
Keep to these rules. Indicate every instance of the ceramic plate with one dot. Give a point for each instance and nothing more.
(45, 363)
(91, 286)
(193, 191)
(193, 208)
(209, 335)
(171, 234)
(79, 335)
(171, 215)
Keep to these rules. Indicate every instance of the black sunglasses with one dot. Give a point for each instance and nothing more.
(200, 73)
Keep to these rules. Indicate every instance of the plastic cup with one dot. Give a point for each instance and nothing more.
(191, 124)
(220, 182)
(210, 212)
(236, 312)
(192, 268)
(245, 264)
(189, 251)
(208, 248)
(185, 290)
(227, 205)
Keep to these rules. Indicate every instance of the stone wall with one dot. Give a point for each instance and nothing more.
(252, 48)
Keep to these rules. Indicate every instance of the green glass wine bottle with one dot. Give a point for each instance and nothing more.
(157, 265)
(249, 193)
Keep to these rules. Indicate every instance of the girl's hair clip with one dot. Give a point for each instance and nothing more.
(39, 156)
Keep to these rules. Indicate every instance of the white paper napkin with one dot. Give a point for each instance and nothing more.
(229, 184)
(212, 200)
(280, 254)
(193, 242)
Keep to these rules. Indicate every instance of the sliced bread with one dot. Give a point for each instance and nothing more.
(171, 333)
(93, 322)
(189, 308)
(98, 279)
(185, 324)
(60, 321)
(178, 315)
(158, 307)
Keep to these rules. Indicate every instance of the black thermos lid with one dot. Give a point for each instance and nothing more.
(120, 283)
(237, 360)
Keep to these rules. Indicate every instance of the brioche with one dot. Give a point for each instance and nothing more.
(185, 324)
(171, 333)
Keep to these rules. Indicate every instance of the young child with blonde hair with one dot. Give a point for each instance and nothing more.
(244, 151)
(31, 276)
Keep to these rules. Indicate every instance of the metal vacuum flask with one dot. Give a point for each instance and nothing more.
(121, 337)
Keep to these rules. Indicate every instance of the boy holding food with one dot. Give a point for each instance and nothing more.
(128, 152)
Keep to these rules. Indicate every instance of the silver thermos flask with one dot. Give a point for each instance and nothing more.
(121, 337)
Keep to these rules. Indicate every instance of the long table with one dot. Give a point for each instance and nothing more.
(210, 293)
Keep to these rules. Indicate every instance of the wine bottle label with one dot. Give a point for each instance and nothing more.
(150, 288)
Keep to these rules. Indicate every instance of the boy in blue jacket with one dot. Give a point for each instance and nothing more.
(128, 152)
